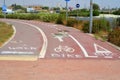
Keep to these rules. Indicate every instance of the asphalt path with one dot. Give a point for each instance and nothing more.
(47, 40)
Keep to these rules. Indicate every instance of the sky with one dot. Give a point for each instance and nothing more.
(62, 3)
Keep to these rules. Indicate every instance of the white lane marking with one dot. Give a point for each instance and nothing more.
(10, 38)
(15, 42)
(22, 48)
(108, 57)
(82, 48)
(45, 41)
(15, 52)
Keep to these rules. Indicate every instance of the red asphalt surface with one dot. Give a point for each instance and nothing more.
(104, 50)
(75, 56)
(61, 42)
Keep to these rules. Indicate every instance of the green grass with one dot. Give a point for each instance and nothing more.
(6, 31)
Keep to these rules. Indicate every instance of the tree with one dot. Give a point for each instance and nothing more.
(117, 12)
(96, 6)
(18, 7)
(56, 8)
(46, 8)
(96, 9)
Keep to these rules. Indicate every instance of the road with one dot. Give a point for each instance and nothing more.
(54, 52)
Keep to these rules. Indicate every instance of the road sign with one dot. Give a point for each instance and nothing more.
(77, 5)
(67, 0)
(4, 8)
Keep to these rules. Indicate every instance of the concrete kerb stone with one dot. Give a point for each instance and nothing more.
(19, 57)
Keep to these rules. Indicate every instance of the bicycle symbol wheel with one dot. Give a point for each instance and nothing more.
(64, 49)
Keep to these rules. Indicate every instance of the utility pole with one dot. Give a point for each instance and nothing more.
(66, 10)
(4, 2)
(5, 7)
(91, 16)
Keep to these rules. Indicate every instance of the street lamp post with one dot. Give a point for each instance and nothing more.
(91, 16)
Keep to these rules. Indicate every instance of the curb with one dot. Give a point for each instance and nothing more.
(19, 57)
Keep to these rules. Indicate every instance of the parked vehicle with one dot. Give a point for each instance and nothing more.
(8, 11)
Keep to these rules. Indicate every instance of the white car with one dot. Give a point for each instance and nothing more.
(8, 11)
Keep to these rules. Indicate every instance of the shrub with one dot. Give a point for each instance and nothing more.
(1, 15)
(71, 22)
(46, 17)
(98, 25)
(117, 12)
(114, 36)
(61, 18)
(118, 21)
(86, 27)
(49, 17)
(12, 16)
(96, 13)
(84, 13)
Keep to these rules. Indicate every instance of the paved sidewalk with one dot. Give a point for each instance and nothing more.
(60, 69)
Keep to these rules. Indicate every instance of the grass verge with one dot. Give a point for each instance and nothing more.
(6, 31)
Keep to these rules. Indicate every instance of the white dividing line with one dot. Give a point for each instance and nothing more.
(45, 41)
(108, 57)
(82, 48)
(16, 52)
(10, 38)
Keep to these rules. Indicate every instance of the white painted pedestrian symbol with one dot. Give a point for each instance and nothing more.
(100, 51)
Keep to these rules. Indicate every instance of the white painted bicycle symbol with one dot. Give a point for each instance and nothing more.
(64, 49)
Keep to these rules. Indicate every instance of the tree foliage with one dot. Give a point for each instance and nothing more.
(96, 6)
(117, 12)
(96, 9)
(16, 7)
(45, 8)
